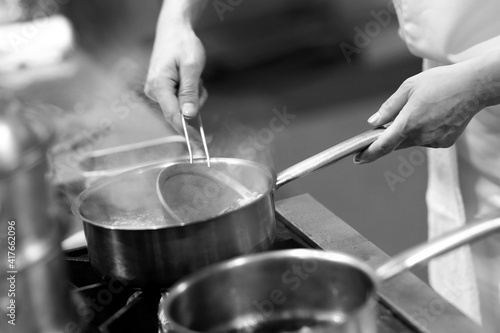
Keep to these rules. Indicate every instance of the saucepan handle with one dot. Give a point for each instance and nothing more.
(328, 156)
(423, 253)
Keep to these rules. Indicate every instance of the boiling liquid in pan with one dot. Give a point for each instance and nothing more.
(291, 326)
(154, 217)
(199, 195)
(132, 203)
(240, 203)
(140, 219)
(196, 192)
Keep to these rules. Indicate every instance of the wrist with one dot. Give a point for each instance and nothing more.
(487, 70)
(181, 14)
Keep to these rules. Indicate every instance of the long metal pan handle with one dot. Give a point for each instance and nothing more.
(328, 156)
(441, 245)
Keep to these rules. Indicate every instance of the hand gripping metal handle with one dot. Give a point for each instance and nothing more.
(328, 156)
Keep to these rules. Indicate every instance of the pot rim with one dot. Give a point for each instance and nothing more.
(102, 183)
(90, 173)
(331, 256)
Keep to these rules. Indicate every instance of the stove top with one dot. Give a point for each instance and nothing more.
(110, 306)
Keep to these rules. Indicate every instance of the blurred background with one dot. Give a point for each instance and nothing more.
(328, 64)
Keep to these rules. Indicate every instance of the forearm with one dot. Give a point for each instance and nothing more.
(177, 62)
(180, 12)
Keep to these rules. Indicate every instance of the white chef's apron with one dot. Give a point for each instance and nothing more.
(464, 180)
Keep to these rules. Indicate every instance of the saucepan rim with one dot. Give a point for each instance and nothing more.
(334, 257)
(102, 183)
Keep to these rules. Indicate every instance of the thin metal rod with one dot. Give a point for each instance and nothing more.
(328, 156)
(184, 127)
(423, 253)
(204, 140)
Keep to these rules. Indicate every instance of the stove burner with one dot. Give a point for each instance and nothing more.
(110, 306)
(162, 318)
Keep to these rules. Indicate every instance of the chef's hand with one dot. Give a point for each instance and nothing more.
(178, 59)
(431, 109)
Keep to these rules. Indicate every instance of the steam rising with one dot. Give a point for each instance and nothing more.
(192, 192)
(120, 116)
(126, 201)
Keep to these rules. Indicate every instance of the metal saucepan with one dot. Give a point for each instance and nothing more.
(111, 161)
(297, 290)
(129, 239)
(102, 163)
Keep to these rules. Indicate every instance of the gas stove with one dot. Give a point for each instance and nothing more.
(405, 304)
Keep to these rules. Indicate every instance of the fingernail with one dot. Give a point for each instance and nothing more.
(188, 110)
(374, 118)
(357, 160)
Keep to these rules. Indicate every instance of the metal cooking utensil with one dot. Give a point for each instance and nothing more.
(153, 252)
(298, 290)
(103, 163)
(196, 184)
(194, 192)
(114, 160)
(203, 139)
(152, 255)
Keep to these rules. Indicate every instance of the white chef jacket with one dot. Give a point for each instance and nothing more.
(464, 180)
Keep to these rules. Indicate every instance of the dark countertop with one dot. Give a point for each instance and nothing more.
(406, 303)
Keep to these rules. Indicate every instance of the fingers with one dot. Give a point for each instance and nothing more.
(189, 88)
(196, 140)
(164, 93)
(203, 95)
(393, 135)
(170, 107)
(161, 86)
(388, 141)
(391, 107)
(194, 134)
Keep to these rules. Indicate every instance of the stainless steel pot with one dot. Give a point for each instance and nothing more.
(31, 263)
(157, 255)
(108, 162)
(93, 165)
(296, 290)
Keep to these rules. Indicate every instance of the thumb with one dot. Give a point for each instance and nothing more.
(189, 89)
(391, 108)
